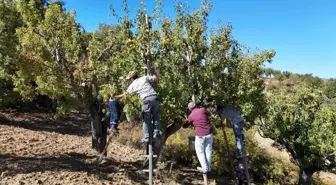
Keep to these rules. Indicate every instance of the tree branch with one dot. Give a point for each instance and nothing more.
(183, 56)
(43, 38)
(334, 153)
(100, 57)
(295, 118)
(57, 56)
(172, 129)
(260, 130)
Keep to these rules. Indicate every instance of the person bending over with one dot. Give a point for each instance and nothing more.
(199, 118)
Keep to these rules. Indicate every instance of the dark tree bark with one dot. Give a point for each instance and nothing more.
(99, 129)
(98, 123)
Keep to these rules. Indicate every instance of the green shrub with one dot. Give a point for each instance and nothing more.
(177, 148)
(8, 98)
(263, 167)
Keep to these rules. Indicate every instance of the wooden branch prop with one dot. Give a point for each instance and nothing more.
(150, 143)
(148, 53)
(103, 52)
(205, 178)
(228, 151)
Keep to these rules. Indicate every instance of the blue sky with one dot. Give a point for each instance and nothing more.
(302, 32)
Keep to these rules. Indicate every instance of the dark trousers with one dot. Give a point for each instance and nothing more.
(115, 112)
(150, 111)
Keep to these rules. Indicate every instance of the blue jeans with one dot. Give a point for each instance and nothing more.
(115, 112)
(150, 111)
(239, 134)
(240, 139)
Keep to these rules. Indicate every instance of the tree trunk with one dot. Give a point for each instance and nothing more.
(305, 176)
(99, 129)
(159, 143)
(54, 105)
(95, 108)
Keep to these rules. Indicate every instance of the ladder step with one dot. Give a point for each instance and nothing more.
(146, 170)
(147, 156)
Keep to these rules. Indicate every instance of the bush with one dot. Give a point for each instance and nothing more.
(177, 149)
(8, 98)
(262, 167)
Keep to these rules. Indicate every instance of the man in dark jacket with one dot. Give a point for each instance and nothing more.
(236, 122)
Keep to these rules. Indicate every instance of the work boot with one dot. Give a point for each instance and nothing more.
(104, 160)
(201, 170)
(145, 140)
(114, 129)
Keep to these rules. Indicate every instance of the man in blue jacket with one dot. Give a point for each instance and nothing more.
(236, 122)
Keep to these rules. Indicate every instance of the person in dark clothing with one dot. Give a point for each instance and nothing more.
(115, 113)
(236, 122)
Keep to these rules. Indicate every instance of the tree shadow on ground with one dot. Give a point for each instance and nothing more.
(75, 124)
(73, 162)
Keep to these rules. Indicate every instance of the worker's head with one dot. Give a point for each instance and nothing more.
(132, 75)
(191, 105)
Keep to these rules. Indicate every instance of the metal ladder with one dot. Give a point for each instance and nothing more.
(149, 156)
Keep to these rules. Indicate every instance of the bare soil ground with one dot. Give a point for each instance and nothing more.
(35, 149)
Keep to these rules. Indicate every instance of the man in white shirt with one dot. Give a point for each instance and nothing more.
(142, 86)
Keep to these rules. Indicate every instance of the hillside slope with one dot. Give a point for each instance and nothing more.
(267, 144)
